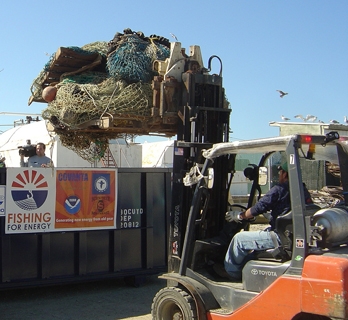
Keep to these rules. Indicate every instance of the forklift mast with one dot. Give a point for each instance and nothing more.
(205, 121)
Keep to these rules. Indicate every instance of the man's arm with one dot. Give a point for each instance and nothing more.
(246, 215)
(265, 204)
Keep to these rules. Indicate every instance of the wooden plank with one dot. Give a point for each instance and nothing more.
(125, 130)
(56, 73)
(84, 68)
(67, 62)
(63, 52)
(147, 126)
(32, 99)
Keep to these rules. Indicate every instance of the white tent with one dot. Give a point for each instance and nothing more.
(36, 132)
(156, 154)
(125, 155)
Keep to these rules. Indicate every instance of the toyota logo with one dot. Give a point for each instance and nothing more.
(254, 272)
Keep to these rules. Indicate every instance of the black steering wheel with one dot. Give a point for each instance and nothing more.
(238, 206)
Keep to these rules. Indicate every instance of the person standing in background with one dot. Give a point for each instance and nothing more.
(38, 160)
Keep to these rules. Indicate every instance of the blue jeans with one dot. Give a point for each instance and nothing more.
(241, 248)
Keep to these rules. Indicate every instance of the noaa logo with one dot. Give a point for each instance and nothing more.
(101, 184)
(72, 204)
(29, 190)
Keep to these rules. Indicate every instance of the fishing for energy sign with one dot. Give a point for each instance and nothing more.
(46, 200)
(29, 199)
(85, 199)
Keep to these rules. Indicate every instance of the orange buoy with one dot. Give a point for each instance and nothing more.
(49, 93)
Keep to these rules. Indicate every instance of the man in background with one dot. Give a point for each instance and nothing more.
(38, 160)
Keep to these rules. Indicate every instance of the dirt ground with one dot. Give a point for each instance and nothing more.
(102, 300)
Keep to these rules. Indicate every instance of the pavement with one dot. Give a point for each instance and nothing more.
(105, 300)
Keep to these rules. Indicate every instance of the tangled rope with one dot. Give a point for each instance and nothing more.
(328, 196)
(333, 169)
(133, 58)
(76, 103)
(88, 49)
(121, 86)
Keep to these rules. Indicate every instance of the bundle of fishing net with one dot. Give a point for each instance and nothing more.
(77, 103)
(121, 91)
(90, 96)
(89, 146)
(133, 56)
(36, 88)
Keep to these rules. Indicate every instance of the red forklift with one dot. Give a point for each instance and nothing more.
(303, 277)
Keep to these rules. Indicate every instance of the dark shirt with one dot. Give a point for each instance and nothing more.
(307, 195)
(276, 200)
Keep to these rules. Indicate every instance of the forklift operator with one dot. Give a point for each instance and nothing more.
(243, 244)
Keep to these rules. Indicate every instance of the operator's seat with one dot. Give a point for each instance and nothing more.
(214, 249)
(284, 230)
(283, 227)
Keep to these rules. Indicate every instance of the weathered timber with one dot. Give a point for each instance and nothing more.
(67, 62)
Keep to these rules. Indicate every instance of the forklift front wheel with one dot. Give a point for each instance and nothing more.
(172, 303)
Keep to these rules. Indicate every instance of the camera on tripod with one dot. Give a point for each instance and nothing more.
(27, 150)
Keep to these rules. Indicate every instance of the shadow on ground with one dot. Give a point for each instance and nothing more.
(104, 300)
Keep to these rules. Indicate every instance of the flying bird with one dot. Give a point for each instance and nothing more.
(174, 36)
(282, 93)
(285, 118)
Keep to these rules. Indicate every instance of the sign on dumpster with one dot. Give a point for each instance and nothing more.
(54, 200)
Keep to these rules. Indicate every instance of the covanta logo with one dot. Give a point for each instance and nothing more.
(29, 190)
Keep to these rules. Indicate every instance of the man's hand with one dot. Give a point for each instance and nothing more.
(252, 219)
(233, 216)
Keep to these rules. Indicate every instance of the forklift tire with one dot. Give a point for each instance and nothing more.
(172, 303)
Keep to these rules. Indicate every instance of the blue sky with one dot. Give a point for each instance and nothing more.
(296, 46)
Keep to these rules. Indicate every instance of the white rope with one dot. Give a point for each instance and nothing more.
(193, 176)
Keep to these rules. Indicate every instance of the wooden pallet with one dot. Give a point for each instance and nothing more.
(67, 62)
(140, 126)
